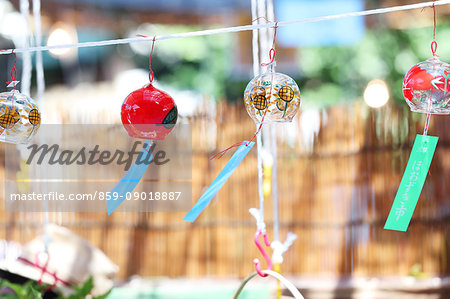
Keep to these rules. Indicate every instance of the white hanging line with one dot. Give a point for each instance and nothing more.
(40, 80)
(260, 224)
(275, 198)
(280, 248)
(26, 58)
(40, 83)
(228, 29)
(255, 44)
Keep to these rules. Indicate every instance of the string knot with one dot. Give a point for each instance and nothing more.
(260, 225)
(280, 248)
(272, 61)
(272, 51)
(433, 47)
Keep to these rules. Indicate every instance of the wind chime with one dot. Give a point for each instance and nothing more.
(426, 88)
(19, 114)
(150, 114)
(270, 97)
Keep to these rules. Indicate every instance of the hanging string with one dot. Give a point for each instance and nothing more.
(220, 154)
(255, 38)
(150, 73)
(272, 51)
(13, 72)
(433, 51)
(260, 175)
(231, 29)
(12, 84)
(434, 43)
(434, 30)
(261, 227)
(276, 220)
(40, 78)
(271, 56)
(260, 9)
(40, 84)
(24, 8)
(271, 64)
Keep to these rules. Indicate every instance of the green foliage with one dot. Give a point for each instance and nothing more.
(29, 290)
(81, 291)
(32, 290)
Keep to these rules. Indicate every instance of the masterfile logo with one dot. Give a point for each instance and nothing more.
(54, 154)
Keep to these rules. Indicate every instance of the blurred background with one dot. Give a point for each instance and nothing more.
(340, 161)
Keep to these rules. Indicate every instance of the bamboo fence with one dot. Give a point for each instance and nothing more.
(337, 181)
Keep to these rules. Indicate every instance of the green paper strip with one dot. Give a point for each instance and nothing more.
(412, 183)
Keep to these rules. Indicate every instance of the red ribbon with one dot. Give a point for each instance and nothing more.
(44, 271)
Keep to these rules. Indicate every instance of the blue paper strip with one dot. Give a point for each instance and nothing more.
(220, 180)
(130, 179)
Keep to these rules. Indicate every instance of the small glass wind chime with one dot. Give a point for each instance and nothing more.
(20, 117)
(272, 97)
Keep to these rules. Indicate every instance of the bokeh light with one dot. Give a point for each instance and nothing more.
(62, 34)
(376, 93)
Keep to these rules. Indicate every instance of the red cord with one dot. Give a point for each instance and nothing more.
(271, 57)
(44, 270)
(13, 78)
(434, 43)
(220, 154)
(433, 50)
(434, 18)
(150, 73)
(13, 70)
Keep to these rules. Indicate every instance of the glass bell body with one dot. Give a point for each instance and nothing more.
(274, 96)
(19, 117)
(426, 87)
(149, 113)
